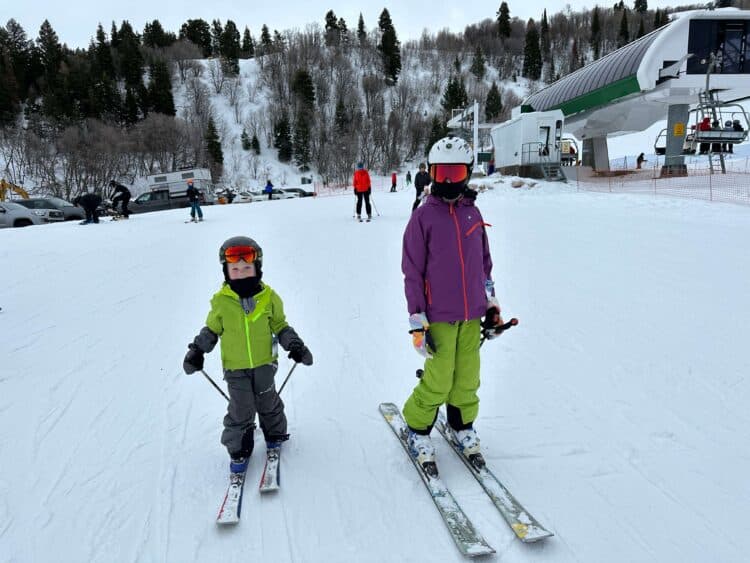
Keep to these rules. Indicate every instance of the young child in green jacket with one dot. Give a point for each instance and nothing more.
(248, 316)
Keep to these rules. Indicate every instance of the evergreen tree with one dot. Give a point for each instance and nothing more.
(389, 47)
(217, 31)
(278, 41)
(160, 89)
(341, 118)
(478, 68)
(255, 145)
(265, 40)
(623, 37)
(198, 32)
(302, 141)
(437, 131)
(22, 61)
(641, 29)
(9, 105)
(493, 107)
(130, 110)
(245, 140)
(544, 41)
(503, 21)
(455, 95)
(640, 6)
(213, 144)
(596, 33)
(155, 36)
(361, 31)
(282, 139)
(457, 65)
(532, 55)
(103, 64)
(229, 45)
(54, 97)
(302, 87)
(131, 59)
(331, 30)
(114, 37)
(343, 32)
(248, 46)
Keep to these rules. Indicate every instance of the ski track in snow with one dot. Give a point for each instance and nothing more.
(614, 412)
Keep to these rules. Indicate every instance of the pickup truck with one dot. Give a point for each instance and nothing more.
(160, 199)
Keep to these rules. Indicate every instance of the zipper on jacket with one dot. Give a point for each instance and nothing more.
(461, 257)
(475, 226)
(247, 340)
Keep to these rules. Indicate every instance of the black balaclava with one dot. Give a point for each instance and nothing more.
(447, 190)
(246, 287)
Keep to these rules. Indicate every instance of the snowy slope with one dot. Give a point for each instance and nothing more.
(616, 411)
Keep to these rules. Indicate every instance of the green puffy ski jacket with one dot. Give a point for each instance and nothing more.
(247, 337)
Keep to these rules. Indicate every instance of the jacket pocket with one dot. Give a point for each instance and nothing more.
(475, 226)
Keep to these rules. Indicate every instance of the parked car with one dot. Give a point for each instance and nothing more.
(281, 194)
(68, 210)
(159, 199)
(14, 215)
(300, 192)
(248, 196)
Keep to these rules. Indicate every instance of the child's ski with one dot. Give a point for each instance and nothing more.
(523, 524)
(270, 481)
(229, 513)
(467, 539)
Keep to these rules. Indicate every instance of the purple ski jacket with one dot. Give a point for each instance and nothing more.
(446, 261)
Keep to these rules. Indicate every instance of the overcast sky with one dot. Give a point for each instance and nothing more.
(75, 21)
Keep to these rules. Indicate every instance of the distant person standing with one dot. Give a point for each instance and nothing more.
(122, 196)
(421, 181)
(639, 161)
(268, 189)
(362, 189)
(394, 179)
(194, 197)
(408, 178)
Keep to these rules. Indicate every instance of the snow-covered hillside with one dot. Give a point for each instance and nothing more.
(616, 411)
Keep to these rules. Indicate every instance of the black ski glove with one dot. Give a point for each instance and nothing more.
(492, 319)
(300, 353)
(193, 360)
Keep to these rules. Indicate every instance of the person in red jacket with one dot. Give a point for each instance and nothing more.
(362, 189)
(393, 182)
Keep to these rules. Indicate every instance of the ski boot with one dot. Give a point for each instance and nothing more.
(423, 450)
(468, 443)
(238, 464)
(369, 218)
(359, 218)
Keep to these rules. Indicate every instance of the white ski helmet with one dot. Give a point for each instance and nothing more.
(451, 150)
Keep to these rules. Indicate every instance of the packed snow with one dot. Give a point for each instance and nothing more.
(616, 411)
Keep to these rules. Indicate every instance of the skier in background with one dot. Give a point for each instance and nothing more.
(408, 178)
(394, 180)
(194, 197)
(123, 196)
(421, 181)
(90, 201)
(447, 277)
(362, 189)
(248, 316)
(268, 189)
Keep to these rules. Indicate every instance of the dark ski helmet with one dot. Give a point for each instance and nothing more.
(240, 241)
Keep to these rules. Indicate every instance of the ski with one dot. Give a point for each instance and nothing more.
(229, 513)
(270, 481)
(467, 539)
(523, 524)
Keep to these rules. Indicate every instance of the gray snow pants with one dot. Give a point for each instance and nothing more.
(251, 391)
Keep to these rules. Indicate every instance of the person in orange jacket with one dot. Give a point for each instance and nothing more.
(393, 182)
(362, 189)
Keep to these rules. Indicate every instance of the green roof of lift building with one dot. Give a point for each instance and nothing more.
(598, 83)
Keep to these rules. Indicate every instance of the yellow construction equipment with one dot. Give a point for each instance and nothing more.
(6, 188)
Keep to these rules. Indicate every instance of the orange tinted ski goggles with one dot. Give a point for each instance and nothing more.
(234, 254)
(449, 173)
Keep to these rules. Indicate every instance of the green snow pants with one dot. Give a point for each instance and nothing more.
(451, 376)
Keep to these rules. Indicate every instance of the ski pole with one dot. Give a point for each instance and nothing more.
(287, 377)
(374, 206)
(498, 331)
(214, 384)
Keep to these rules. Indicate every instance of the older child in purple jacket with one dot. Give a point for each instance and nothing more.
(447, 269)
